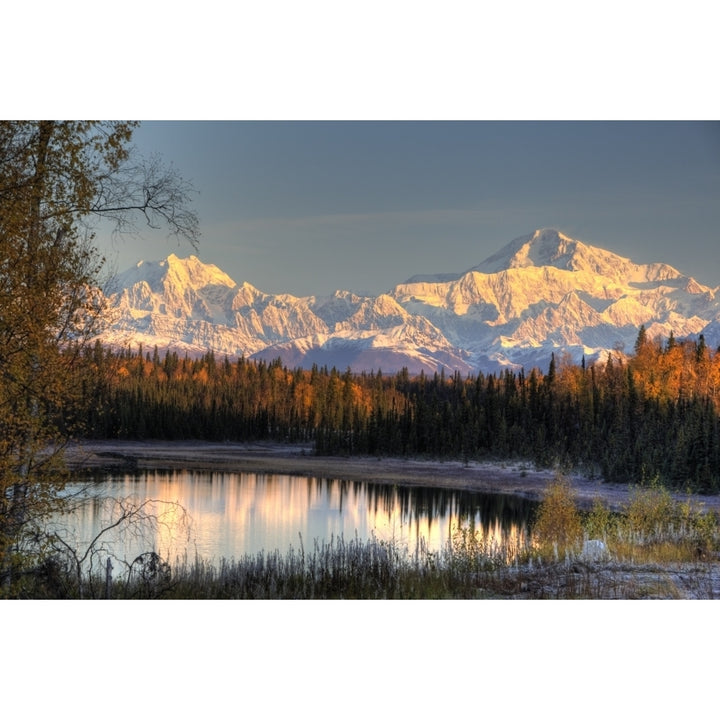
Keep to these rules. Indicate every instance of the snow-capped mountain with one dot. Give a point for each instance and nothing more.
(541, 293)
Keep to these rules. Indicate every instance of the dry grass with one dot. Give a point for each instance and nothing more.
(377, 570)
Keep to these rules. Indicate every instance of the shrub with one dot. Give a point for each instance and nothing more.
(558, 522)
(651, 512)
(600, 523)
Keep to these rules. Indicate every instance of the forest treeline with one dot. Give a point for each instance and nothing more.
(649, 416)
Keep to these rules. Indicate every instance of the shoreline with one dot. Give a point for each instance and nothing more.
(504, 477)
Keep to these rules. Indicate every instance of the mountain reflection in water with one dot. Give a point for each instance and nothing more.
(234, 514)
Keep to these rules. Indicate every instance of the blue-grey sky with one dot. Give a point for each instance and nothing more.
(310, 207)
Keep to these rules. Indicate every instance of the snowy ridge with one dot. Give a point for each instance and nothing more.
(544, 292)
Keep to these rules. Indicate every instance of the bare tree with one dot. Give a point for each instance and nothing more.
(87, 564)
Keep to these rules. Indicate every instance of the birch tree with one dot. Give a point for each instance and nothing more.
(57, 179)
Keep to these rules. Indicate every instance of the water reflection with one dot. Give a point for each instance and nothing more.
(234, 514)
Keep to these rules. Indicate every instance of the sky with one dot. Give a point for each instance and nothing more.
(308, 207)
(361, 148)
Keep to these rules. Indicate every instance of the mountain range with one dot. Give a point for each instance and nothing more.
(544, 292)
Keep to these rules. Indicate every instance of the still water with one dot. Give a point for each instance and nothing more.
(215, 515)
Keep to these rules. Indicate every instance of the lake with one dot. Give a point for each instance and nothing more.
(213, 515)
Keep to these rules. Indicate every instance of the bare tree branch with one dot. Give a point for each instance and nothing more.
(154, 190)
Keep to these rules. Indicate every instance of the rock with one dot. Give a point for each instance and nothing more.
(594, 550)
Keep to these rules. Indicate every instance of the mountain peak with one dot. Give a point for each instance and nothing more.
(548, 247)
(543, 247)
(191, 271)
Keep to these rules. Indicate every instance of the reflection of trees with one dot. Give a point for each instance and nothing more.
(435, 503)
(494, 516)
